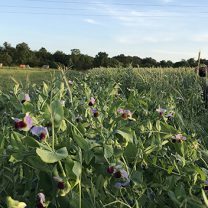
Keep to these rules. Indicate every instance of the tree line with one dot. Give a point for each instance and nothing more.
(22, 54)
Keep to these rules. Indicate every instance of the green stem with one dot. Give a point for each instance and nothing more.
(53, 131)
(80, 180)
(117, 201)
(67, 85)
(74, 126)
(52, 122)
(62, 169)
(126, 166)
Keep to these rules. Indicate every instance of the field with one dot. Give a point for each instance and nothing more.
(112, 138)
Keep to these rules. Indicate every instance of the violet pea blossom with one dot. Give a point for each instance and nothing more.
(95, 112)
(92, 101)
(178, 138)
(40, 200)
(25, 124)
(40, 132)
(119, 173)
(125, 114)
(161, 111)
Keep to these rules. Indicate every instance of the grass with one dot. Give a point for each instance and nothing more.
(22, 76)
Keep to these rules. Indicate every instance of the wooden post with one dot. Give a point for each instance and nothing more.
(199, 57)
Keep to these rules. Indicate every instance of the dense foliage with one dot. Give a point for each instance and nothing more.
(114, 138)
(22, 54)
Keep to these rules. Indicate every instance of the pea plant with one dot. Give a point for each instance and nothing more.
(81, 144)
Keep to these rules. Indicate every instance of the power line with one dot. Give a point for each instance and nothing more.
(38, 7)
(68, 9)
(121, 4)
(96, 15)
(87, 9)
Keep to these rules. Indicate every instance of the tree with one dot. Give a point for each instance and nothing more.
(113, 62)
(182, 63)
(23, 53)
(75, 52)
(74, 58)
(148, 62)
(61, 58)
(101, 59)
(191, 62)
(6, 59)
(169, 63)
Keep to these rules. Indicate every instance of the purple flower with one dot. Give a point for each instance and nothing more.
(40, 132)
(92, 101)
(120, 110)
(206, 185)
(60, 182)
(119, 173)
(40, 200)
(110, 169)
(178, 138)
(161, 111)
(125, 114)
(70, 82)
(170, 115)
(25, 124)
(25, 98)
(122, 184)
(94, 112)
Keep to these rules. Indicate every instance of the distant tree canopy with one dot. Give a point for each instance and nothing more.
(22, 54)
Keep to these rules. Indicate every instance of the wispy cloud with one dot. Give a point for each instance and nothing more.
(200, 38)
(141, 39)
(167, 1)
(134, 17)
(91, 21)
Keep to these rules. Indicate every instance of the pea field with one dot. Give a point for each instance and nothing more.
(106, 138)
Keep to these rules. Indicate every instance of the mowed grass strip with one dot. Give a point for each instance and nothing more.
(23, 76)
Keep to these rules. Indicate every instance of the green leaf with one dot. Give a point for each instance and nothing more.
(149, 125)
(63, 125)
(137, 177)
(108, 151)
(205, 198)
(158, 127)
(38, 164)
(201, 173)
(77, 169)
(57, 112)
(27, 107)
(31, 142)
(127, 136)
(45, 89)
(172, 196)
(131, 152)
(69, 164)
(52, 157)
(16, 141)
(81, 142)
(150, 149)
(88, 155)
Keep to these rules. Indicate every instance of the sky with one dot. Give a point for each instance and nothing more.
(161, 29)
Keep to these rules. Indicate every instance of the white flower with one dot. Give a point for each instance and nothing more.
(161, 111)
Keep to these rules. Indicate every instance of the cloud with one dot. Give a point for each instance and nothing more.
(167, 1)
(171, 52)
(135, 16)
(91, 21)
(200, 38)
(128, 40)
